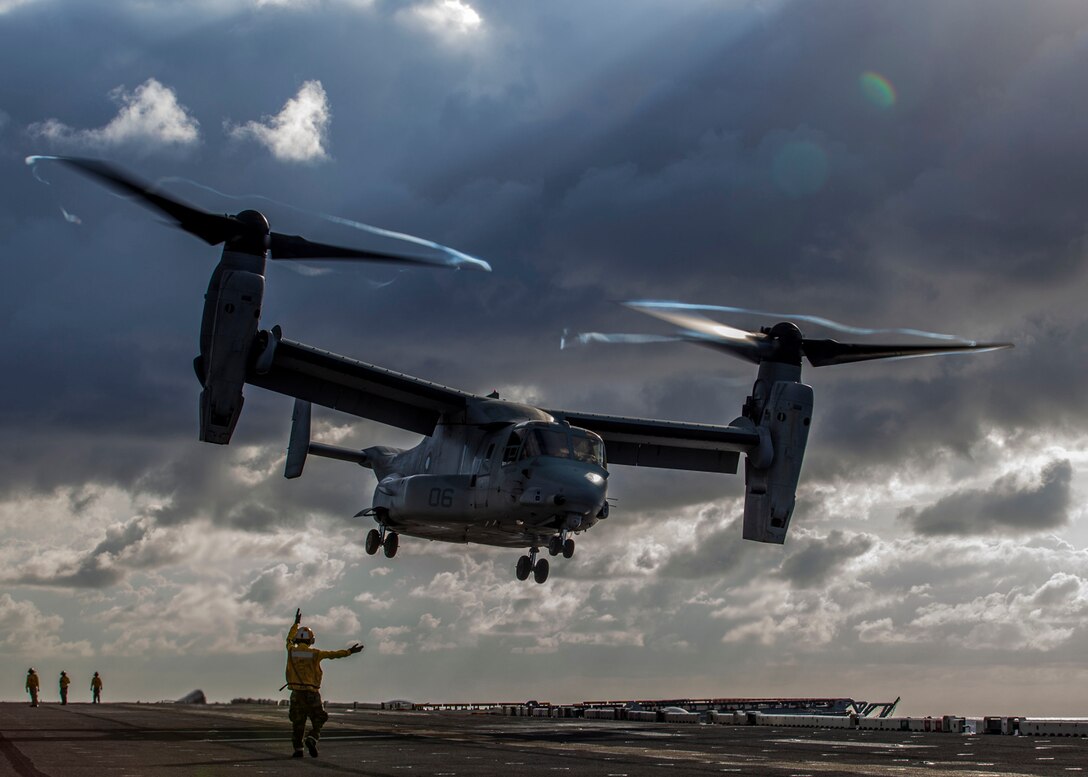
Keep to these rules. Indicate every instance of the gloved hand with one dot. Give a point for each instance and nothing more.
(356, 648)
(298, 616)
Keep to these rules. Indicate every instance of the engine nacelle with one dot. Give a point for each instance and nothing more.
(771, 491)
(232, 311)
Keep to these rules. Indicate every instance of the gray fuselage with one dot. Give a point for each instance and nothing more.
(498, 473)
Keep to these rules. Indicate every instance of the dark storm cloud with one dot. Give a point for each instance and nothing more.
(90, 572)
(268, 587)
(1009, 505)
(818, 558)
(724, 156)
(719, 552)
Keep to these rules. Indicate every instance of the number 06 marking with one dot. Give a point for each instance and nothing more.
(440, 497)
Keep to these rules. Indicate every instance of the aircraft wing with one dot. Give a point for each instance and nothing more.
(392, 398)
(351, 386)
(643, 442)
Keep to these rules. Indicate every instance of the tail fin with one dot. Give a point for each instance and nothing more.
(299, 442)
(299, 445)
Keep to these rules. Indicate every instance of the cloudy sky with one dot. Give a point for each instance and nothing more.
(881, 164)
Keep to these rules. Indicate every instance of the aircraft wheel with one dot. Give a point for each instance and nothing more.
(568, 548)
(373, 541)
(540, 571)
(523, 568)
(392, 542)
(555, 546)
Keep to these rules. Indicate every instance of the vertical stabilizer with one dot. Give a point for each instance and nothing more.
(299, 443)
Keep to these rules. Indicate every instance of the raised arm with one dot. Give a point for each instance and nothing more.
(294, 628)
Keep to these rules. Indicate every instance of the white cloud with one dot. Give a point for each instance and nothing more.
(149, 115)
(26, 630)
(373, 602)
(11, 5)
(451, 19)
(1038, 620)
(390, 639)
(339, 620)
(281, 586)
(310, 4)
(298, 133)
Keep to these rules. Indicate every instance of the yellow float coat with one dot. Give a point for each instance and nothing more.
(304, 663)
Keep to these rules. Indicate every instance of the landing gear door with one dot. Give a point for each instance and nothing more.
(482, 473)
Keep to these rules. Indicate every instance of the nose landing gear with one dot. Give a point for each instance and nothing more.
(561, 543)
(530, 563)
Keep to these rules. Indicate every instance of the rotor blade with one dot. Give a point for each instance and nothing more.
(817, 320)
(737, 342)
(214, 229)
(209, 227)
(823, 353)
(293, 247)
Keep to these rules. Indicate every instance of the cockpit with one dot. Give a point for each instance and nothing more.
(559, 441)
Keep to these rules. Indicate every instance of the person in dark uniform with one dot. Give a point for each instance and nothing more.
(304, 680)
(64, 682)
(96, 689)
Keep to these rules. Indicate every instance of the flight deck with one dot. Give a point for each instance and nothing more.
(131, 740)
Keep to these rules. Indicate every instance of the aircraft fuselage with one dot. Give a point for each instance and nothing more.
(499, 473)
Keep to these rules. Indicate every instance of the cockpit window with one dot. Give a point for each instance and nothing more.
(546, 442)
(510, 453)
(555, 441)
(587, 447)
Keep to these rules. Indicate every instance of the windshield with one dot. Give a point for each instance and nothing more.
(546, 442)
(559, 442)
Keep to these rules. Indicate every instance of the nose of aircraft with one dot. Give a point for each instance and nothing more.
(578, 488)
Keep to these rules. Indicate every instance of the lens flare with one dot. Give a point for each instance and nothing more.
(877, 89)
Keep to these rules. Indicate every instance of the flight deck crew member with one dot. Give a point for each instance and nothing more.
(32, 686)
(96, 689)
(64, 682)
(304, 680)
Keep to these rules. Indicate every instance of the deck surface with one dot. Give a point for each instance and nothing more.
(81, 740)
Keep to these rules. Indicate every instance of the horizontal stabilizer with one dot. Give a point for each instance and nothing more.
(343, 454)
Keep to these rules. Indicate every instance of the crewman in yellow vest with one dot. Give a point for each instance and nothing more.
(304, 680)
(64, 682)
(32, 686)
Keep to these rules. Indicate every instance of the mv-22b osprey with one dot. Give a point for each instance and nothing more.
(489, 471)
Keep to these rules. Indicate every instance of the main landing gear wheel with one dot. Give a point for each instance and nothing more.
(529, 564)
(525, 565)
(392, 542)
(373, 541)
(555, 545)
(568, 548)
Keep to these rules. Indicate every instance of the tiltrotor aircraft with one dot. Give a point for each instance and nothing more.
(490, 471)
